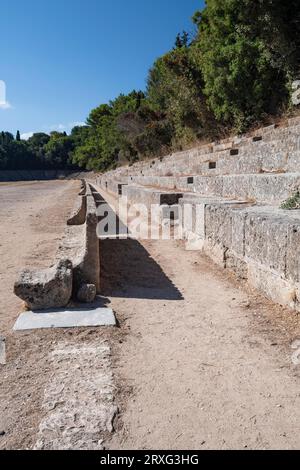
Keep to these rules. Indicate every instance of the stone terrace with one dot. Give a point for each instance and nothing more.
(237, 186)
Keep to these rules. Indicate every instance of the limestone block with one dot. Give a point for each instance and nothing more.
(293, 253)
(51, 288)
(238, 231)
(273, 162)
(215, 252)
(293, 163)
(218, 225)
(273, 286)
(181, 183)
(274, 188)
(235, 186)
(236, 264)
(79, 211)
(209, 186)
(87, 293)
(266, 240)
(2, 351)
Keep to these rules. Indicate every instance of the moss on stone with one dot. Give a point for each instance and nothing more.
(292, 202)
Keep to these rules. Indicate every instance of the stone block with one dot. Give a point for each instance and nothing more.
(238, 231)
(75, 318)
(236, 264)
(87, 293)
(266, 240)
(209, 186)
(50, 288)
(273, 286)
(2, 351)
(218, 225)
(79, 212)
(216, 252)
(293, 253)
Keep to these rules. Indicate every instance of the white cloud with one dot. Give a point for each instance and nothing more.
(26, 135)
(64, 127)
(56, 127)
(5, 105)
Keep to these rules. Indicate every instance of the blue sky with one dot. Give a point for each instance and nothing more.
(61, 58)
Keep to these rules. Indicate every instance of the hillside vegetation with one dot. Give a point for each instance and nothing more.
(235, 70)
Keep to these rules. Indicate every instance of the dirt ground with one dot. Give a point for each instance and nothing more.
(199, 360)
(205, 363)
(32, 221)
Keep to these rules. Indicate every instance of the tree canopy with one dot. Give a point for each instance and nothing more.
(236, 69)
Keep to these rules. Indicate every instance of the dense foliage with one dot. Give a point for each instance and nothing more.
(246, 52)
(39, 152)
(236, 69)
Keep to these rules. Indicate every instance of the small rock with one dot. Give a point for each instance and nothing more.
(87, 293)
(2, 433)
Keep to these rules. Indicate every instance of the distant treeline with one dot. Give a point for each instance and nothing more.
(40, 152)
(233, 71)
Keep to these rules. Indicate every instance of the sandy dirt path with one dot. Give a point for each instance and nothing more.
(32, 221)
(204, 363)
(199, 361)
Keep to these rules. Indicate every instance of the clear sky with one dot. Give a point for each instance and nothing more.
(61, 58)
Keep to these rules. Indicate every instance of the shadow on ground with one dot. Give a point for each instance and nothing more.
(127, 270)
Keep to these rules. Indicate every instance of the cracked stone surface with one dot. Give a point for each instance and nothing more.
(79, 398)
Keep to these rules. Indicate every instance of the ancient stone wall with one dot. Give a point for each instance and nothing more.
(235, 187)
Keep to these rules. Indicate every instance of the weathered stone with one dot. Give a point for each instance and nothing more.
(78, 215)
(50, 288)
(266, 239)
(255, 239)
(293, 252)
(86, 293)
(218, 224)
(2, 351)
(236, 264)
(272, 285)
(79, 400)
(238, 231)
(73, 318)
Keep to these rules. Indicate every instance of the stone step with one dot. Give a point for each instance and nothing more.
(260, 244)
(270, 189)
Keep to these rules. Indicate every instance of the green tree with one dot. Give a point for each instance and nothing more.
(58, 151)
(3, 158)
(36, 145)
(182, 40)
(105, 139)
(244, 78)
(175, 88)
(6, 138)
